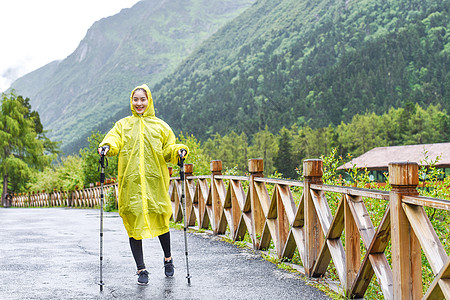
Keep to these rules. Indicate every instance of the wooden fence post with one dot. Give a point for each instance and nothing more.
(314, 239)
(406, 250)
(216, 169)
(188, 169)
(256, 168)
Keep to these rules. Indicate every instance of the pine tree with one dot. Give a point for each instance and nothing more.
(284, 159)
(264, 146)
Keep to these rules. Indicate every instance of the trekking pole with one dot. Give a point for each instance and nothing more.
(102, 180)
(183, 206)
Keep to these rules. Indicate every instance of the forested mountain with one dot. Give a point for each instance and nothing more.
(311, 63)
(278, 63)
(142, 44)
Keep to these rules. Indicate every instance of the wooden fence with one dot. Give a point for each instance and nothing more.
(85, 198)
(265, 210)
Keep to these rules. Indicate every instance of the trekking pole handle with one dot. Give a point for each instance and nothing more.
(181, 165)
(182, 154)
(102, 151)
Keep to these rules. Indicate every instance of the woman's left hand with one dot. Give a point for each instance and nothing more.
(182, 153)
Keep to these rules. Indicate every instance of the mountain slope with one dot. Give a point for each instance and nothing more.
(311, 62)
(142, 44)
(278, 63)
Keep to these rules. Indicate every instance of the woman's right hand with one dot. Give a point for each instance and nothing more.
(103, 150)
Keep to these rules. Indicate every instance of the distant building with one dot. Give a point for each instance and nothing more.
(376, 160)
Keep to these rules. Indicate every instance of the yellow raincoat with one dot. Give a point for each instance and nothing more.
(144, 144)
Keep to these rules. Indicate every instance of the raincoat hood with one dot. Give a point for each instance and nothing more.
(150, 110)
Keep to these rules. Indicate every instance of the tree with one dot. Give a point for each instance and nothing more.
(231, 149)
(21, 150)
(312, 143)
(51, 148)
(264, 146)
(284, 161)
(235, 151)
(197, 156)
(362, 134)
(65, 175)
(91, 160)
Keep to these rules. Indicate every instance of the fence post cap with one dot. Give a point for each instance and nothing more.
(188, 169)
(312, 168)
(216, 166)
(256, 165)
(403, 173)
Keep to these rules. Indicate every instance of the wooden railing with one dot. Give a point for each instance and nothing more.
(223, 203)
(296, 216)
(85, 198)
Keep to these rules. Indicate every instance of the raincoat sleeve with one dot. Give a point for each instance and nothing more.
(114, 140)
(170, 149)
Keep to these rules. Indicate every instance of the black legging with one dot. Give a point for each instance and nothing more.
(136, 249)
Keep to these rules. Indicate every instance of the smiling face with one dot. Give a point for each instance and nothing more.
(140, 101)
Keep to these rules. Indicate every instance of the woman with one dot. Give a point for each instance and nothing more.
(145, 144)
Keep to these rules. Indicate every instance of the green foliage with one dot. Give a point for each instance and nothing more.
(364, 132)
(284, 152)
(284, 160)
(22, 150)
(231, 149)
(47, 180)
(91, 160)
(197, 155)
(110, 200)
(403, 126)
(312, 143)
(63, 176)
(178, 226)
(319, 63)
(330, 165)
(264, 145)
(432, 184)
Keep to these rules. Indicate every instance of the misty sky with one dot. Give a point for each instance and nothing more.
(34, 33)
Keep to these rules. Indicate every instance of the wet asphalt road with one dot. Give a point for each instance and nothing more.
(53, 253)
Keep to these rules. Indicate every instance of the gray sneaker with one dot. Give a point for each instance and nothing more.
(168, 268)
(143, 277)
